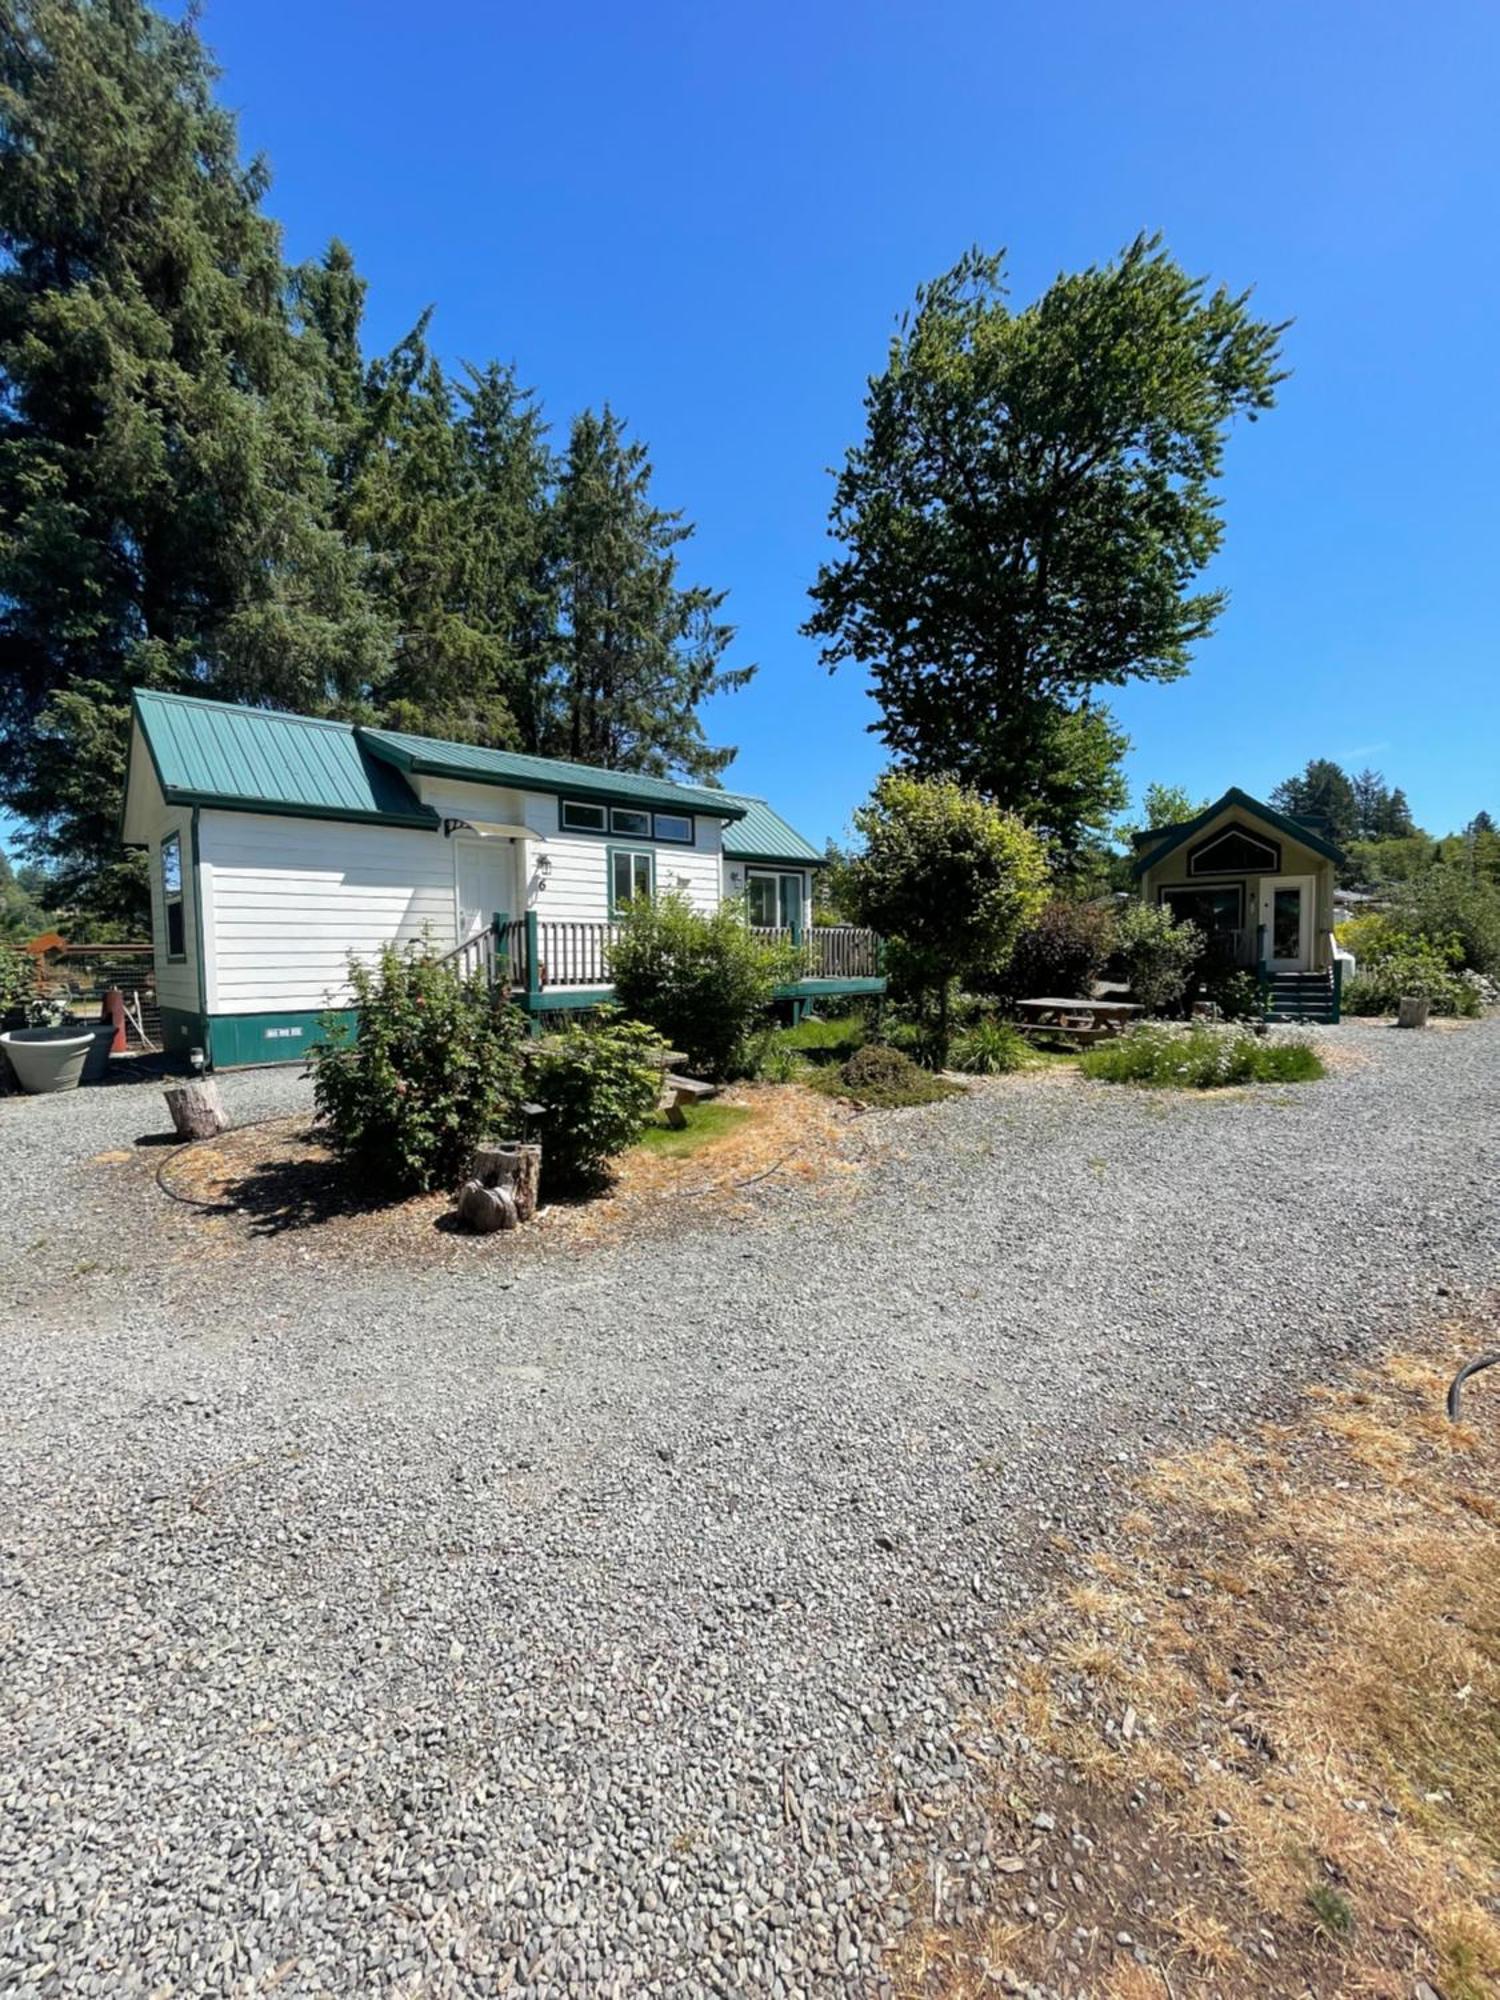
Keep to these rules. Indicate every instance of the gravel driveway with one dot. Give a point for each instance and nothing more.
(607, 1630)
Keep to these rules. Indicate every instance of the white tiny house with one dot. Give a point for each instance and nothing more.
(280, 844)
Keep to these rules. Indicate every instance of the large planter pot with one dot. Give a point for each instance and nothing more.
(48, 1059)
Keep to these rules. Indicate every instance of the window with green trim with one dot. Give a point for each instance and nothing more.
(171, 895)
(626, 819)
(632, 876)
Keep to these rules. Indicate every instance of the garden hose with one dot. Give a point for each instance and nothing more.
(1469, 1368)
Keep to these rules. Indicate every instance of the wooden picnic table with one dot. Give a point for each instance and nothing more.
(1082, 1020)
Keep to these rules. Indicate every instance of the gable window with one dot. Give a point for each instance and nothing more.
(673, 826)
(632, 876)
(580, 818)
(171, 895)
(631, 820)
(1235, 850)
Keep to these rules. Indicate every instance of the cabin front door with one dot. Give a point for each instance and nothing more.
(1286, 914)
(485, 882)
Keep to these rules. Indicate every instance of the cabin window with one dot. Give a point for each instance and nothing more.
(627, 819)
(673, 826)
(1214, 911)
(171, 895)
(632, 876)
(580, 818)
(774, 902)
(1235, 851)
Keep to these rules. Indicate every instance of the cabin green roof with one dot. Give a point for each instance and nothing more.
(215, 753)
(763, 835)
(1157, 842)
(471, 762)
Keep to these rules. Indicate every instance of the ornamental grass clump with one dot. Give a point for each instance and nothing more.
(1200, 1058)
(989, 1048)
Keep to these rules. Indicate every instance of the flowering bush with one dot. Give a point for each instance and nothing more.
(1200, 1058)
(431, 1067)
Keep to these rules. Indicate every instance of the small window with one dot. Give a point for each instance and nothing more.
(625, 819)
(632, 875)
(580, 818)
(674, 826)
(171, 895)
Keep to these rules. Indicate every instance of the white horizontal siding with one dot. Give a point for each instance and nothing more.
(151, 821)
(287, 900)
(577, 881)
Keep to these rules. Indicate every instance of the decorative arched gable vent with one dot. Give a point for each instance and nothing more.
(1235, 850)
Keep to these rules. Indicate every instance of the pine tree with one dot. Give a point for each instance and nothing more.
(1323, 791)
(165, 455)
(637, 653)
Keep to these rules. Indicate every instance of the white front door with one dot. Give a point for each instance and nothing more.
(484, 876)
(1286, 913)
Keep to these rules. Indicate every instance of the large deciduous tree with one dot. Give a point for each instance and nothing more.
(165, 449)
(1026, 518)
(637, 652)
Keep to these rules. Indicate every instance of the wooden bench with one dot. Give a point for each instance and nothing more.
(678, 1091)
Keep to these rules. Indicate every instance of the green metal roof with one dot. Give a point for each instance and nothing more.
(469, 761)
(1158, 842)
(763, 835)
(214, 753)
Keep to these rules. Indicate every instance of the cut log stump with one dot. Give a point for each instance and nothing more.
(502, 1186)
(197, 1109)
(1412, 1012)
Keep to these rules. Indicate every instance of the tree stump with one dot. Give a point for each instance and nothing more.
(1411, 1011)
(501, 1191)
(486, 1209)
(197, 1109)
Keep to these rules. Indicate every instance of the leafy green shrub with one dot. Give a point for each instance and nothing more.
(18, 985)
(1448, 905)
(597, 1087)
(885, 1079)
(988, 1048)
(1199, 1058)
(700, 980)
(1237, 994)
(1401, 965)
(432, 1066)
(769, 1058)
(948, 879)
(1159, 954)
(1062, 952)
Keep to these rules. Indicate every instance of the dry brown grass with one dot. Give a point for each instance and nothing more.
(278, 1180)
(1305, 1631)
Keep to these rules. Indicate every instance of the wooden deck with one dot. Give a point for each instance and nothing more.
(553, 966)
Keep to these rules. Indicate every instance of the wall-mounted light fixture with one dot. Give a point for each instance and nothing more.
(543, 870)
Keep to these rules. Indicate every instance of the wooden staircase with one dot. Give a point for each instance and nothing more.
(1301, 996)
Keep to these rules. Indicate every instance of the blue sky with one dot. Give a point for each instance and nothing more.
(712, 216)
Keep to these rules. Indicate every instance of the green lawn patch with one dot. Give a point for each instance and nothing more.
(1200, 1059)
(825, 1041)
(705, 1123)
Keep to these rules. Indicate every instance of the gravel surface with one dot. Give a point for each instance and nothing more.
(609, 1627)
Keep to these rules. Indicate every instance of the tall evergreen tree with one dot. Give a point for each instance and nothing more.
(164, 450)
(637, 652)
(1324, 791)
(409, 507)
